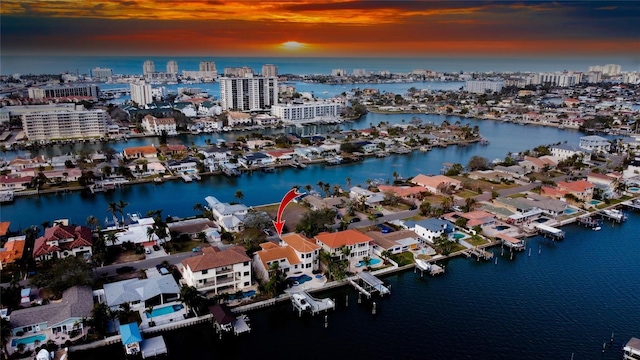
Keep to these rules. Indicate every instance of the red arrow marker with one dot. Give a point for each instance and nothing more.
(279, 223)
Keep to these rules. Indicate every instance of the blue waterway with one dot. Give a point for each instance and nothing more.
(563, 301)
(260, 188)
(133, 64)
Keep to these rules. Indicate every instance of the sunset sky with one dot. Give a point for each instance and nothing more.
(320, 28)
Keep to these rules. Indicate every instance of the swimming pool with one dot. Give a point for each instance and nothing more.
(594, 202)
(164, 310)
(540, 220)
(29, 340)
(371, 262)
(297, 280)
(633, 189)
(459, 236)
(570, 211)
(502, 227)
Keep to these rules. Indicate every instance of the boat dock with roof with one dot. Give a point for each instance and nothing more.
(303, 302)
(613, 214)
(225, 321)
(549, 231)
(369, 284)
(432, 268)
(634, 204)
(511, 242)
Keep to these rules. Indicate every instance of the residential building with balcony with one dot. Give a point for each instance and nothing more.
(217, 271)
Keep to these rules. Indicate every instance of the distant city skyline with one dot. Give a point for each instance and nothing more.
(321, 28)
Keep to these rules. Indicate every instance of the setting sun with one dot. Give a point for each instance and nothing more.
(293, 46)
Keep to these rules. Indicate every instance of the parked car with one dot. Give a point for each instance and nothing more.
(156, 247)
(147, 251)
(353, 220)
(378, 215)
(196, 249)
(413, 207)
(268, 232)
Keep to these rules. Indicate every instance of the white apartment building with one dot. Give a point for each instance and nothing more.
(148, 67)
(359, 72)
(158, 125)
(338, 72)
(141, 93)
(208, 66)
(307, 111)
(68, 122)
(238, 71)
(482, 86)
(269, 70)
(172, 67)
(562, 79)
(595, 143)
(248, 93)
(56, 92)
(225, 271)
(101, 73)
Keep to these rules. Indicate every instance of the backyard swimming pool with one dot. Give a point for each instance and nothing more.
(633, 189)
(502, 227)
(29, 340)
(570, 211)
(164, 310)
(297, 280)
(595, 202)
(371, 262)
(459, 236)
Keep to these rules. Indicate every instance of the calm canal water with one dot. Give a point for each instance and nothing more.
(177, 198)
(563, 301)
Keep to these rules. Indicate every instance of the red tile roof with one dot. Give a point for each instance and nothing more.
(211, 259)
(4, 227)
(340, 238)
(80, 235)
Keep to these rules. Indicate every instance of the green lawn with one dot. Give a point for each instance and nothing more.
(184, 246)
(466, 193)
(404, 258)
(475, 241)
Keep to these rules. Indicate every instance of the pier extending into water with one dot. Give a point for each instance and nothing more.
(302, 301)
(613, 214)
(369, 284)
(478, 253)
(551, 232)
(432, 268)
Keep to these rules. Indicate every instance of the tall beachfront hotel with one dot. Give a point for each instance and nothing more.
(248, 93)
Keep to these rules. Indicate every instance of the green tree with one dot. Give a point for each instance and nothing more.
(192, 298)
(239, 195)
(314, 222)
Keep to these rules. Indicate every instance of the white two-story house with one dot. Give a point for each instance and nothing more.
(227, 216)
(225, 271)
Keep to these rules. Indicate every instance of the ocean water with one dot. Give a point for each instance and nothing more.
(562, 300)
(300, 65)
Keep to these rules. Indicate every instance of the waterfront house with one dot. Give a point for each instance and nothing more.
(140, 293)
(218, 271)
(581, 189)
(57, 176)
(61, 241)
(148, 169)
(60, 318)
(281, 155)
(15, 183)
(227, 216)
(192, 227)
(157, 126)
(437, 184)
(430, 229)
(20, 164)
(284, 256)
(294, 253)
(173, 150)
(319, 203)
(595, 143)
(255, 159)
(632, 170)
(12, 250)
(368, 197)
(565, 151)
(405, 192)
(188, 165)
(236, 118)
(137, 233)
(395, 242)
(357, 242)
(140, 152)
(488, 175)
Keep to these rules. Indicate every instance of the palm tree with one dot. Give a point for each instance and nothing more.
(395, 175)
(386, 254)
(346, 251)
(239, 195)
(321, 185)
(92, 222)
(112, 238)
(446, 203)
(5, 334)
(150, 312)
(308, 188)
(113, 209)
(124, 313)
(191, 297)
(469, 203)
(366, 261)
(348, 182)
(121, 206)
(150, 232)
(202, 236)
(425, 208)
(198, 207)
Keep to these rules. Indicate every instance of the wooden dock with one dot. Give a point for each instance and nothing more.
(302, 301)
(479, 253)
(369, 284)
(432, 268)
